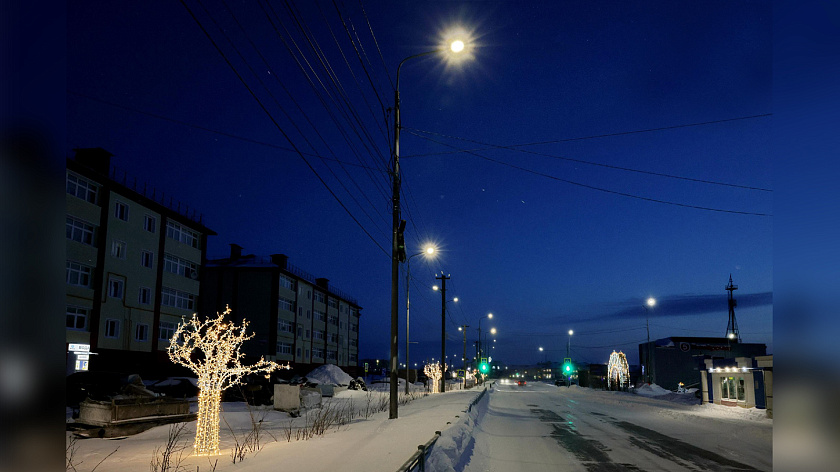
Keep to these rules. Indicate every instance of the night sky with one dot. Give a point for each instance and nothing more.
(583, 157)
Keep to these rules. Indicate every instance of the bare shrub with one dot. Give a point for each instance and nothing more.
(70, 453)
(168, 457)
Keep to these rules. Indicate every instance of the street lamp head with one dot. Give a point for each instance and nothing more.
(430, 250)
(460, 328)
(455, 299)
(457, 46)
(651, 302)
(571, 332)
(541, 349)
(490, 315)
(434, 287)
(492, 330)
(731, 335)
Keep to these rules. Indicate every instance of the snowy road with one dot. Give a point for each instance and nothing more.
(543, 427)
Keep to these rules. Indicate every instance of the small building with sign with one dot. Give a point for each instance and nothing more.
(743, 381)
(677, 359)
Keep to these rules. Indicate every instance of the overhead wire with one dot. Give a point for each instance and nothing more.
(592, 187)
(277, 124)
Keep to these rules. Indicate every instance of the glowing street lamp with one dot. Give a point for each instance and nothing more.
(429, 252)
(651, 302)
(397, 227)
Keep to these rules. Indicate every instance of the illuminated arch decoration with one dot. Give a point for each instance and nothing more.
(434, 373)
(211, 349)
(618, 372)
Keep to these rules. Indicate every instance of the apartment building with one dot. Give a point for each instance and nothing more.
(296, 317)
(134, 267)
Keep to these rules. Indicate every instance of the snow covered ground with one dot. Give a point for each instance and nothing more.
(502, 432)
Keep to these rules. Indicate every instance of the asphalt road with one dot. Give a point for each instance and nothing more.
(542, 427)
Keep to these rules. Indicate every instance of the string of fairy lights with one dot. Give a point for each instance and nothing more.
(618, 371)
(218, 367)
(434, 373)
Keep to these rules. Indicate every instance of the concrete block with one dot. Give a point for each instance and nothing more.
(286, 397)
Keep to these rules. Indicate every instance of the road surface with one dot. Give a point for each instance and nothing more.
(542, 427)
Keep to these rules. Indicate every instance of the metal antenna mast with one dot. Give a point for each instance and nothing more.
(732, 326)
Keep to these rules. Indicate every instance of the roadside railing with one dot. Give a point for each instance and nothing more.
(417, 462)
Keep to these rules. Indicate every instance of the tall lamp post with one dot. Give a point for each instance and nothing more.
(429, 252)
(480, 351)
(651, 302)
(464, 329)
(569, 355)
(443, 278)
(398, 252)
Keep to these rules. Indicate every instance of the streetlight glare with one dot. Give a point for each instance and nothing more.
(490, 315)
(430, 250)
(541, 349)
(455, 299)
(651, 301)
(434, 287)
(492, 330)
(571, 332)
(457, 46)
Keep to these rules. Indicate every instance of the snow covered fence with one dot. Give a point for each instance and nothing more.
(452, 448)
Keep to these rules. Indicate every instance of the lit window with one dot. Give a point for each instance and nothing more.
(121, 211)
(141, 332)
(116, 288)
(112, 328)
(78, 274)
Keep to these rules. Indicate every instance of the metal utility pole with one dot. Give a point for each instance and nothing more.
(464, 328)
(443, 279)
(732, 332)
(395, 254)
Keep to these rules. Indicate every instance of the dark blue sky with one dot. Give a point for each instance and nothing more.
(532, 234)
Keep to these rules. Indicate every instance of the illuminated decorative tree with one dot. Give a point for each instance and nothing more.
(434, 373)
(211, 349)
(617, 370)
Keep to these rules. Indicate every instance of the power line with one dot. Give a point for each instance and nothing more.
(277, 125)
(581, 161)
(592, 187)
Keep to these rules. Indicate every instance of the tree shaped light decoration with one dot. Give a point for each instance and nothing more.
(211, 349)
(434, 373)
(617, 370)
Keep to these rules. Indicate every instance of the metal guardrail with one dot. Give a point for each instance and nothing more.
(418, 460)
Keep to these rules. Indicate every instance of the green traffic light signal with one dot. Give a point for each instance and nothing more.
(483, 367)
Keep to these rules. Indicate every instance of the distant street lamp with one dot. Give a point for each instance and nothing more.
(651, 302)
(428, 252)
(480, 347)
(397, 226)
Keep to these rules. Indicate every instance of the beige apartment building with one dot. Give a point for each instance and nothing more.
(296, 317)
(133, 268)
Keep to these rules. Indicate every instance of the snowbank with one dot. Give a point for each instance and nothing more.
(329, 374)
(651, 390)
(454, 449)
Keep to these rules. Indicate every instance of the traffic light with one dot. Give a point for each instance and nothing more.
(401, 241)
(484, 367)
(568, 367)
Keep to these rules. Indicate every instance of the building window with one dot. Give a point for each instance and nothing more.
(284, 348)
(333, 337)
(112, 328)
(179, 266)
(287, 282)
(286, 304)
(306, 354)
(121, 210)
(320, 315)
(333, 320)
(150, 223)
(118, 249)
(319, 334)
(298, 352)
(354, 343)
(319, 297)
(145, 296)
(353, 358)
(146, 258)
(79, 231)
(77, 317)
(308, 315)
(141, 332)
(332, 302)
(309, 294)
(177, 298)
(354, 327)
(285, 326)
(166, 330)
(332, 355)
(300, 331)
(82, 188)
(307, 334)
(181, 234)
(78, 274)
(317, 353)
(116, 288)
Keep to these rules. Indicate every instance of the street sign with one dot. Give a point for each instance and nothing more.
(79, 347)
